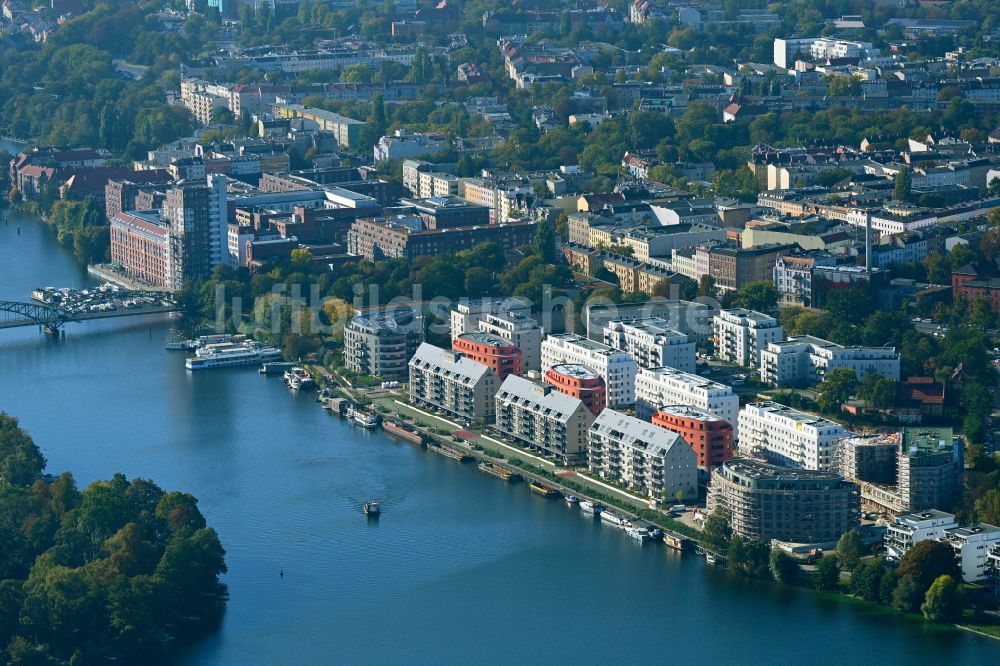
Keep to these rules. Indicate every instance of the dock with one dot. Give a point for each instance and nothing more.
(450, 452)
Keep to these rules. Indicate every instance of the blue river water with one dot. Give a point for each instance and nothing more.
(460, 568)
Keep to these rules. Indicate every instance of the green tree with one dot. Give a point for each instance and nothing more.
(907, 596)
(836, 388)
(988, 507)
(850, 549)
(760, 295)
(717, 531)
(21, 462)
(943, 602)
(904, 185)
(485, 255)
(844, 86)
(748, 557)
(478, 282)
(866, 580)
(706, 286)
(827, 576)
(887, 586)
(544, 243)
(927, 561)
(851, 305)
(357, 74)
(784, 567)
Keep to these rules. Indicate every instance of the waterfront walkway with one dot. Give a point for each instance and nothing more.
(483, 446)
(436, 423)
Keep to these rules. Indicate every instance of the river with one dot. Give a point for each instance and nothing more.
(460, 568)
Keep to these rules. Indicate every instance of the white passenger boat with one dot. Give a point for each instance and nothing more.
(638, 534)
(231, 355)
(613, 519)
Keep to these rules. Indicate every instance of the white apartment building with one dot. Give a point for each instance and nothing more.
(466, 315)
(785, 436)
(402, 144)
(656, 387)
(820, 49)
(436, 184)
(504, 197)
(617, 368)
(741, 335)
(539, 417)
(445, 379)
(521, 331)
(993, 569)
(909, 529)
(972, 546)
(648, 459)
(202, 98)
(652, 343)
(804, 360)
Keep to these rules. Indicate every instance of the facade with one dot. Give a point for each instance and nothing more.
(792, 505)
(909, 529)
(820, 49)
(581, 383)
(869, 458)
(499, 355)
(381, 343)
(911, 471)
(655, 387)
(642, 457)
(711, 437)
(785, 436)
(967, 285)
(652, 343)
(197, 216)
(972, 545)
(931, 467)
(403, 144)
(447, 212)
(616, 367)
(692, 319)
(740, 335)
(518, 329)
(539, 417)
(992, 578)
(447, 380)
(406, 237)
(466, 315)
(345, 131)
(731, 268)
(805, 360)
(140, 243)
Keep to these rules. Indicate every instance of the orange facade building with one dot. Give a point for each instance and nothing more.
(710, 436)
(492, 351)
(579, 382)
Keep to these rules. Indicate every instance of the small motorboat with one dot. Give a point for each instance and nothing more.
(572, 500)
(372, 509)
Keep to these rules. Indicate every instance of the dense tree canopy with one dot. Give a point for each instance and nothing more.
(106, 572)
